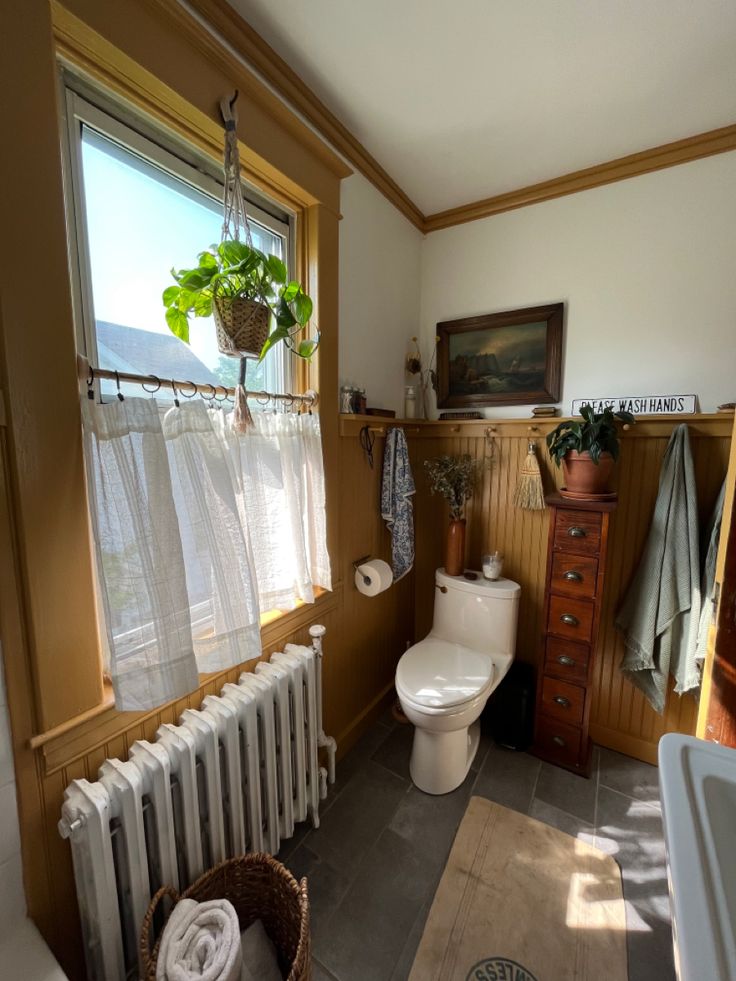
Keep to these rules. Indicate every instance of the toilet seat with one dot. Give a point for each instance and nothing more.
(438, 676)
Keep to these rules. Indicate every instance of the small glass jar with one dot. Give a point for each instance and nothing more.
(493, 565)
(410, 402)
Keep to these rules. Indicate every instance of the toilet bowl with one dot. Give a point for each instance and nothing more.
(445, 680)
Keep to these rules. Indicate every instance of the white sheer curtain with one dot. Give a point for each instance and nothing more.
(279, 474)
(196, 531)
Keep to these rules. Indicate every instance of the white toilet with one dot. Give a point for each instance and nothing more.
(444, 681)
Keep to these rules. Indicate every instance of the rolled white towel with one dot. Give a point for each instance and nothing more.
(201, 941)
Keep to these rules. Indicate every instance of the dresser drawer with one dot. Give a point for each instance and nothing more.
(566, 660)
(570, 618)
(577, 531)
(563, 701)
(559, 743)
(574, 575)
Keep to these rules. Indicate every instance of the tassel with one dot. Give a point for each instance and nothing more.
(529, 493)
(241, 419)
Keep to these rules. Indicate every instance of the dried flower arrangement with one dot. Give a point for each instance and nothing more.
(413, 366)
(453, 477)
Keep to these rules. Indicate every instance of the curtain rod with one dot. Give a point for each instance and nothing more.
(89, 374)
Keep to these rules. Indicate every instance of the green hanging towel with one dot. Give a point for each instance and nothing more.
(660, 613)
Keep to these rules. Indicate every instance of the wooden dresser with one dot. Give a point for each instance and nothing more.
(576, 566)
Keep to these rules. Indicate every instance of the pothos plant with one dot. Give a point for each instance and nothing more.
(235, 269)
(596, 434)
(453, 477)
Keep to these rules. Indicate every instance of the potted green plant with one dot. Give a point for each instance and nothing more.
(453, 477)
(243, 288)
(587, 451)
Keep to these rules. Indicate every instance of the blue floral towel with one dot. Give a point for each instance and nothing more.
(397, 487)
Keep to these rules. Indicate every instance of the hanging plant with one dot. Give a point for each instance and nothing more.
(243, 288)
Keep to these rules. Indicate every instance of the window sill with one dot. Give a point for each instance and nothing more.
(274, 625)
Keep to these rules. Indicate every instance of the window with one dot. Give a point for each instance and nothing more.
(137, 209)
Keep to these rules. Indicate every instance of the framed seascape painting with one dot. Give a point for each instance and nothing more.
(511, 358)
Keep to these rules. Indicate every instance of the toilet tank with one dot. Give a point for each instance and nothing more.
(480, 613)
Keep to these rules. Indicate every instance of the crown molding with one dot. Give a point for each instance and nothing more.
(239, 35)
(236, 32)
(644, 162)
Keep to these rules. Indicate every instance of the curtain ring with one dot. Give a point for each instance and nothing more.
(209, 398)
(224, 394)
(152, 391)
(117, 382)
(173, 388)
(263, 398)
(195, 392)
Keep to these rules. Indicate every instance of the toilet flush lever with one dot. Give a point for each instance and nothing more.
(442, 589)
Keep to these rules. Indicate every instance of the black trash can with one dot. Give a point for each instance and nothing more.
(509, 715)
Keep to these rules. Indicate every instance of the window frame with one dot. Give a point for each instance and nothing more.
(84, 105)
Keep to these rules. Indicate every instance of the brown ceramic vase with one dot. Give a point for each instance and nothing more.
(583, 477)
(455, 550)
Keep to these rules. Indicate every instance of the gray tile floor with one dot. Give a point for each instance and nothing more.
(375, 861)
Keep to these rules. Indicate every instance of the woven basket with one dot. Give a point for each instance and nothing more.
(242, 325)
(260, 888)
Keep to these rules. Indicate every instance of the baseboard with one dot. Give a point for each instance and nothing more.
(352, 733)
(622, 742)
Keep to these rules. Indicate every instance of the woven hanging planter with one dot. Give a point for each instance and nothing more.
(242, 325)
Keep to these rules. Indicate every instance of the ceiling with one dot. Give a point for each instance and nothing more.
(466, 99)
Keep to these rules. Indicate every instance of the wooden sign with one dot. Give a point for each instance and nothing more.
(643, 405)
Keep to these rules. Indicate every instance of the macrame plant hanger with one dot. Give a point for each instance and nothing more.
(235, 219)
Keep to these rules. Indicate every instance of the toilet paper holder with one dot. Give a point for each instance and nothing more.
(359, 562)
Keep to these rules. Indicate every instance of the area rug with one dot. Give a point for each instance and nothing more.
(521, 901)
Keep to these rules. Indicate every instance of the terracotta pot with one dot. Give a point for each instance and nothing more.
(583, 476)
(455, 550)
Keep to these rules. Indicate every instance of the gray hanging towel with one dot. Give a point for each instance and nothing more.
(708, 578)
(397, 487)
(660, 614)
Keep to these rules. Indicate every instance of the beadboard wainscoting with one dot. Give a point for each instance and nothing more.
(621, 718)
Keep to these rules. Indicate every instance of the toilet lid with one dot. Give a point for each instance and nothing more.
(441, 674)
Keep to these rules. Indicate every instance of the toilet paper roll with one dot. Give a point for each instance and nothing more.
(379, 577)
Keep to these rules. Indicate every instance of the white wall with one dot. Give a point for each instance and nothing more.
(380, 253)
(12, 898)
(645, 268)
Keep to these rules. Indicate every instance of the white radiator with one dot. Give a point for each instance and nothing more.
(234, 776)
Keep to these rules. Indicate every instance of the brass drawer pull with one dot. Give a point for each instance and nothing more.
(561, 700)
(575, 531)
(570, 620)
(559, 740)
(568, 662)
(573, 576)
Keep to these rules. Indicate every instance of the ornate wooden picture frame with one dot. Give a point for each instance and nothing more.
(509, 358)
